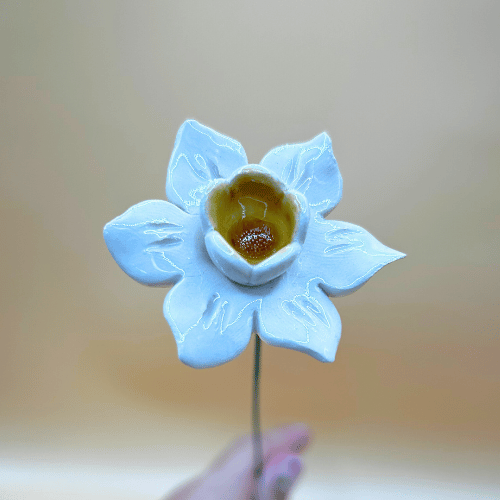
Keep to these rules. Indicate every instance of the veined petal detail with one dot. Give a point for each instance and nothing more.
(256, 256)
(200, 155)
(211, 322)
(300, 316)
(344, 255)
(151, 242)
(310, 168)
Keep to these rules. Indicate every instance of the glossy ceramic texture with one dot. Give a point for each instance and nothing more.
(254, 227)
(211, 309)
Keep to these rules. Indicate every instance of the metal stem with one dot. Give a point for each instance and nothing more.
(258, 461)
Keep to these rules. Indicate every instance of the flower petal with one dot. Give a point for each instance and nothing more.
(211, 321)
(298, 315)
(310, 168)
(151, 241)
(344, 255)
(200, 155)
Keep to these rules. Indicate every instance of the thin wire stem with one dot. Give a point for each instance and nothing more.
(258, 460)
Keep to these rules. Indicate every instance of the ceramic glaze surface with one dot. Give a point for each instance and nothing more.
(253, 214)
(254, 227)
(270, 274)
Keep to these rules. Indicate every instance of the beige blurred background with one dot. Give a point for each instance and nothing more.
(93, 401)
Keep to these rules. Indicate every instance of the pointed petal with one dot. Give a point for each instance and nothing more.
(298, 315)
(310, 168)
(200, 155)
(151, 242)
(344, 255)
(209, 317)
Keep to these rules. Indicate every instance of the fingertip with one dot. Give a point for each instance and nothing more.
(303, 436)
(295, 467)
(281, 475)
(298, 428)
(294, 437)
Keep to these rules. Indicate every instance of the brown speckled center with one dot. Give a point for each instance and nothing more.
(253, 239)
(253, 215)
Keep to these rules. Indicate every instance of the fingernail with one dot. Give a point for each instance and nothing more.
(283, 476)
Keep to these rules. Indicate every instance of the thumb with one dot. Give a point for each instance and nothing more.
(280, 475)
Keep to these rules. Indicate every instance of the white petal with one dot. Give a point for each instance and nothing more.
(210, 319)
(344, 255)
(311, 169)
(298, 315)
(152, 242)
(200, 155)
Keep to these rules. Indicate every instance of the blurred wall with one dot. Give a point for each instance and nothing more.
(92, 94)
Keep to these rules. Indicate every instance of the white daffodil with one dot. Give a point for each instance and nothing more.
(247, 247)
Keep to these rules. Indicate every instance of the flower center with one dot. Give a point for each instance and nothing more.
(253, 239)
(253, 215)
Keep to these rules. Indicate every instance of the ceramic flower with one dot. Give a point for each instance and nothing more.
(247, 247)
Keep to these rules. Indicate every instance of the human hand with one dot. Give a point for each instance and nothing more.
(230, 477)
